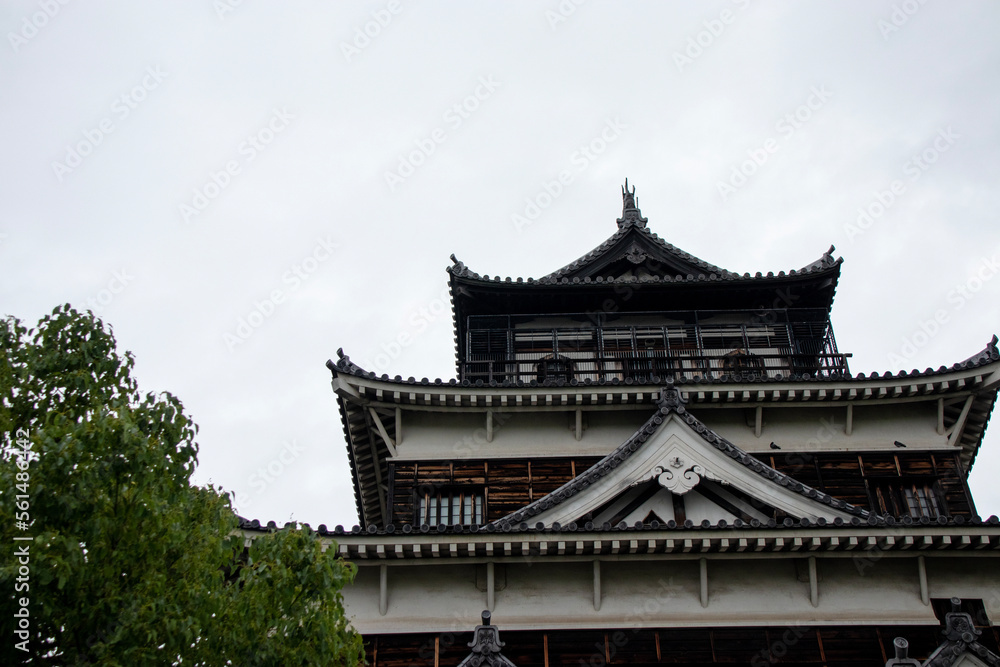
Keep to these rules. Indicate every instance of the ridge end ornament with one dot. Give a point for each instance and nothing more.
(630, 209)
(671, 398)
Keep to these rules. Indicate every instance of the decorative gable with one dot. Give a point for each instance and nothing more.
(671, 456)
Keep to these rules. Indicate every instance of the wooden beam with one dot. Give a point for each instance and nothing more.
(490, 586)
(379, 484)
(955, 432)
(579, 424)
(346, 391)
(399, 426)
(922, 573)
(940, 415)
(813, 582)
(597, 585)
(758, 420)
(383, 589)
(489, 426)
(849, 426)
(390, 444)
(703, 572)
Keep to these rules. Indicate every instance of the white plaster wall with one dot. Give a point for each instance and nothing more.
(824, 429)
(666, 593)
(452, 435)
(458, 435)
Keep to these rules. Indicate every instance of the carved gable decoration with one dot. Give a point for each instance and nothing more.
(635, 254)
(681, 473)
(633, 246)
(679, 452)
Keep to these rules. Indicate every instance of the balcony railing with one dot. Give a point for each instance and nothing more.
(689, 345)
(657, 368)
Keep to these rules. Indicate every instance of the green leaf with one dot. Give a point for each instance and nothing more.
(131, 563)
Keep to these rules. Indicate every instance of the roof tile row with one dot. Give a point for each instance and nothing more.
(524, 527)
(986, 356)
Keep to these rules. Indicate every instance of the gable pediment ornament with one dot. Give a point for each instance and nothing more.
(635, 254)
(679, 451)
(679, 474)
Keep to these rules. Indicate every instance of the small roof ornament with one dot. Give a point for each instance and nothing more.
(486, 647)
(630, 209)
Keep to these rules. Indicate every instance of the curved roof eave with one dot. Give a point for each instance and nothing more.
(825, 265)
(984, 357)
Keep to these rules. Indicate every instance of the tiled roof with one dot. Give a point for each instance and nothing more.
(987, 355)
(255, 525)
(960, 638)
(633, 224)
(672, 402)
(711, 274)
(628, 226)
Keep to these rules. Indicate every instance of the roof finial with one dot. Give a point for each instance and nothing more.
(628, 198)
(630, 208)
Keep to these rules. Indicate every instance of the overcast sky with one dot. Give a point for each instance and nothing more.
(240, 188)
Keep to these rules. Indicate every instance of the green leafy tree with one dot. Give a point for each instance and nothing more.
(129, 563)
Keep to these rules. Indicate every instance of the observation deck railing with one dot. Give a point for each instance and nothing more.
(628, 346)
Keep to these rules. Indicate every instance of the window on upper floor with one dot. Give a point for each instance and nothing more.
(913, 497)
(451, 506)
(555, 367)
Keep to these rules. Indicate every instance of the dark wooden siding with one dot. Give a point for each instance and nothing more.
(854, 477)
(509, 484)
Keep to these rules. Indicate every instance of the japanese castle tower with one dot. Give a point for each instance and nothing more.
(645, 458)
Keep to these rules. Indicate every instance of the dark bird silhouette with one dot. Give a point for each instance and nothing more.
(774, 446)
(899, 444)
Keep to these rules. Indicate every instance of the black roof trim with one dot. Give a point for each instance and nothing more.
(987, 355)
(625, 226)
(711, 274)
(886, 522)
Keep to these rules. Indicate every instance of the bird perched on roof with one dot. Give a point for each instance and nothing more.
(774, 446)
